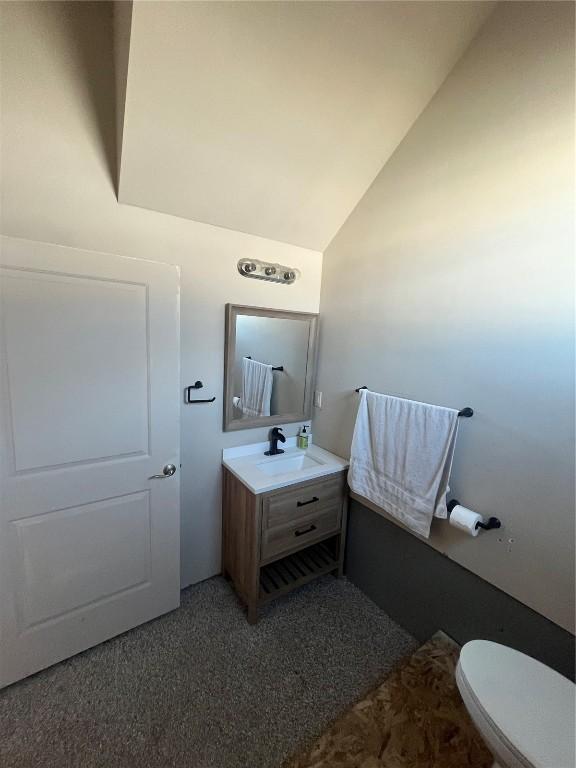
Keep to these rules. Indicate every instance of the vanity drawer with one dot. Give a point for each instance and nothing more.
(293, 504)
(282, 539)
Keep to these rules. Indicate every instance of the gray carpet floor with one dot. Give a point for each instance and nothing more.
(201, 688)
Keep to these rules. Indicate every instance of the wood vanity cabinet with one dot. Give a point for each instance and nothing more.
(276, 541)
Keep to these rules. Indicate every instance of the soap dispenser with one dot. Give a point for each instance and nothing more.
(303, 437)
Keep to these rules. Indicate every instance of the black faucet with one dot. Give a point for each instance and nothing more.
(275, 435)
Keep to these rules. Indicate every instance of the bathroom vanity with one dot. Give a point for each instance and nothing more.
(284, 520)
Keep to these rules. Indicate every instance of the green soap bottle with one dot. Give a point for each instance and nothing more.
(302, 441)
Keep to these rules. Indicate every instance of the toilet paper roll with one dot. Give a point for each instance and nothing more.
(465, 520)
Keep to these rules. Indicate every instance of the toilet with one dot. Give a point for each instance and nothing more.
(524, 711)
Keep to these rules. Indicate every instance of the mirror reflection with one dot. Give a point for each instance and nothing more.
(271, 366)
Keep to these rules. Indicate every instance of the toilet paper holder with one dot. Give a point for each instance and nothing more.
(492, 522)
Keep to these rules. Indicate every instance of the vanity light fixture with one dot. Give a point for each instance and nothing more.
(262, 270)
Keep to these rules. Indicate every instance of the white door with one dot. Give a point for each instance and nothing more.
(89, 411)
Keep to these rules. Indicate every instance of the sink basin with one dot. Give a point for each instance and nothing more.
(282, 465)
(261, 474)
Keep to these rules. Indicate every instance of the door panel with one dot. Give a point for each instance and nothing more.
(55, 367)
(89, 411)
(73, 558)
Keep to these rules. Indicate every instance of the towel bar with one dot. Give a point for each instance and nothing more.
(465, 412)
(274, 368)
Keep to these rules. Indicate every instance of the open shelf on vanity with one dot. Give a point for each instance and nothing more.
(299, 568)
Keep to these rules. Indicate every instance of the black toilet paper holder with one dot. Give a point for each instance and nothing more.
(492, 522)
(188, 397)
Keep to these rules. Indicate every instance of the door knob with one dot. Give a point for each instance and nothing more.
(168, 471)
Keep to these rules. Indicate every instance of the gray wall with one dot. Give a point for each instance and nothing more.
(452, 283)
(424, 590)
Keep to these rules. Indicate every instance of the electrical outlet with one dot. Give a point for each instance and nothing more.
(318, 399)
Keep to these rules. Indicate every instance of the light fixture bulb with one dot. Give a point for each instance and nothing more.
(262, 270)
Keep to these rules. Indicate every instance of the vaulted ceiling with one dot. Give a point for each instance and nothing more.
(274, 118)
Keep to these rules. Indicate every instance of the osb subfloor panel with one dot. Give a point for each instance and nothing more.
(414, 719)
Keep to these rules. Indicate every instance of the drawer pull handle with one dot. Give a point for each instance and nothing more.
(310, 501)
(305, 530)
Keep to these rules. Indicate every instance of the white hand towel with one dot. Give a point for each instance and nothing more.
(401, 457)
(257, 381)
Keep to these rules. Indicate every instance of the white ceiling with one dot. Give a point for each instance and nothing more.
(273, 118)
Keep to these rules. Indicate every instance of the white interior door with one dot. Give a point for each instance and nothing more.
(89, 411)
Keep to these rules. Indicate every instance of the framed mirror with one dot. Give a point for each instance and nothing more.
(269, 368)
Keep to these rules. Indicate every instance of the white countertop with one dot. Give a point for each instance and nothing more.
(249, 464)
